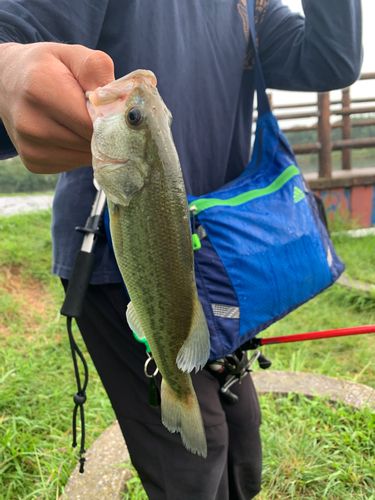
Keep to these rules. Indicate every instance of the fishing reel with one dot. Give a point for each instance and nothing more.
(233, 368)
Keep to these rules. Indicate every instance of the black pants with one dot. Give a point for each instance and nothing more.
(232, 469)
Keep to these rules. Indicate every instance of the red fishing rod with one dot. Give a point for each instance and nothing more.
(238, 366)
(324, 334)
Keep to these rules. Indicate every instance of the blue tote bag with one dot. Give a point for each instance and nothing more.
(260, 247)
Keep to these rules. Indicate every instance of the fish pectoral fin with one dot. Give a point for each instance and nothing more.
(133, 321)
(184, 416)
(195, 351)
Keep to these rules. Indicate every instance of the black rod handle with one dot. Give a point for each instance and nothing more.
(78, 284)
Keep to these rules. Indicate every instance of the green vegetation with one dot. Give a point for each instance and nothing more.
(347, 357)
(360, 157)
(315, 450)
(312, 449)
(36, 373)
(26, 244)
(358, 255)
(36, 403)
(309, 136)
(15, 178)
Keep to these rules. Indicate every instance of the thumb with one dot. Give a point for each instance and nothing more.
(91, 68)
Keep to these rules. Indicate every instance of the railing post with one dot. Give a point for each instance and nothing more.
(270, 100)
(346, 131)
(324, 135)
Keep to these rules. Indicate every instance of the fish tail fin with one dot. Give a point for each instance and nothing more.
(184, 417)
(195, 351)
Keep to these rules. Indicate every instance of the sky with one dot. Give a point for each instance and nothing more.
(364, 88)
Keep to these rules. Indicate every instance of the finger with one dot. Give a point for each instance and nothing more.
(64, 102)
(91, 68)
(48, 132)
(75, 69)
(54, 160)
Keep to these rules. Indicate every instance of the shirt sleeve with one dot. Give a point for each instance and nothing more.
(67, 21)
(7, 150)
(319, 52)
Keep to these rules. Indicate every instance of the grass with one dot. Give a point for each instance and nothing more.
(358, 255)
(36, 400)
(316, 450)
(26, 244)
(36, 373)
(36, 406)
(311, 448)
(346, 357)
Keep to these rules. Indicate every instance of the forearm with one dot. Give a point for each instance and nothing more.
(318, 53)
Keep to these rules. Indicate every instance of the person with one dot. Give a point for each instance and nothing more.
(50, 54)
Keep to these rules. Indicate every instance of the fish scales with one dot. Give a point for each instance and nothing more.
(159, 287)
(136, 163)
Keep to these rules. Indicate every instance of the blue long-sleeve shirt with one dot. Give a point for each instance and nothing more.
(203, 60)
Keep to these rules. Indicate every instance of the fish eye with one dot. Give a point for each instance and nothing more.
(134, 116)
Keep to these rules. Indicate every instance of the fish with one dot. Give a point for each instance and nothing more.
(136, 163)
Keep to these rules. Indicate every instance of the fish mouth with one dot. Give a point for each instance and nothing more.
(102, 161)
(112, 96)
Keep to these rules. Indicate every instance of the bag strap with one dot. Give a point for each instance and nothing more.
(263, 103)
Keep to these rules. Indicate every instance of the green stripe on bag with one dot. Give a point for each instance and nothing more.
(204, 203)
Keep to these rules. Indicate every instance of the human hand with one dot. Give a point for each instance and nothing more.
(43, 104)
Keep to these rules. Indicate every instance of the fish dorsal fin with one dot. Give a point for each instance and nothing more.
(195, 351)
(133, 321)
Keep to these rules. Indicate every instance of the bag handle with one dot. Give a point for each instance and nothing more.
(260, 85)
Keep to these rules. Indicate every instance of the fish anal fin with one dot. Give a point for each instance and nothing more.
(185, 418)
(195, 351)
(133, 321)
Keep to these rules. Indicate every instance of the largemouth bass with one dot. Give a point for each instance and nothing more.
(136, 163)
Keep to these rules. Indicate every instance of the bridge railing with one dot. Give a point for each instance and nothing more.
(324, 144)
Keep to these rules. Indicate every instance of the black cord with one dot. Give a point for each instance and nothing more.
(80, 396)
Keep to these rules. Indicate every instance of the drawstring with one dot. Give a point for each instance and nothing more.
(73, 305)
(80, 397)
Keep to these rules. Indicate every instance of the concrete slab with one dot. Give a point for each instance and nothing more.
(281, 383)
(361, 286)
(104, 477)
